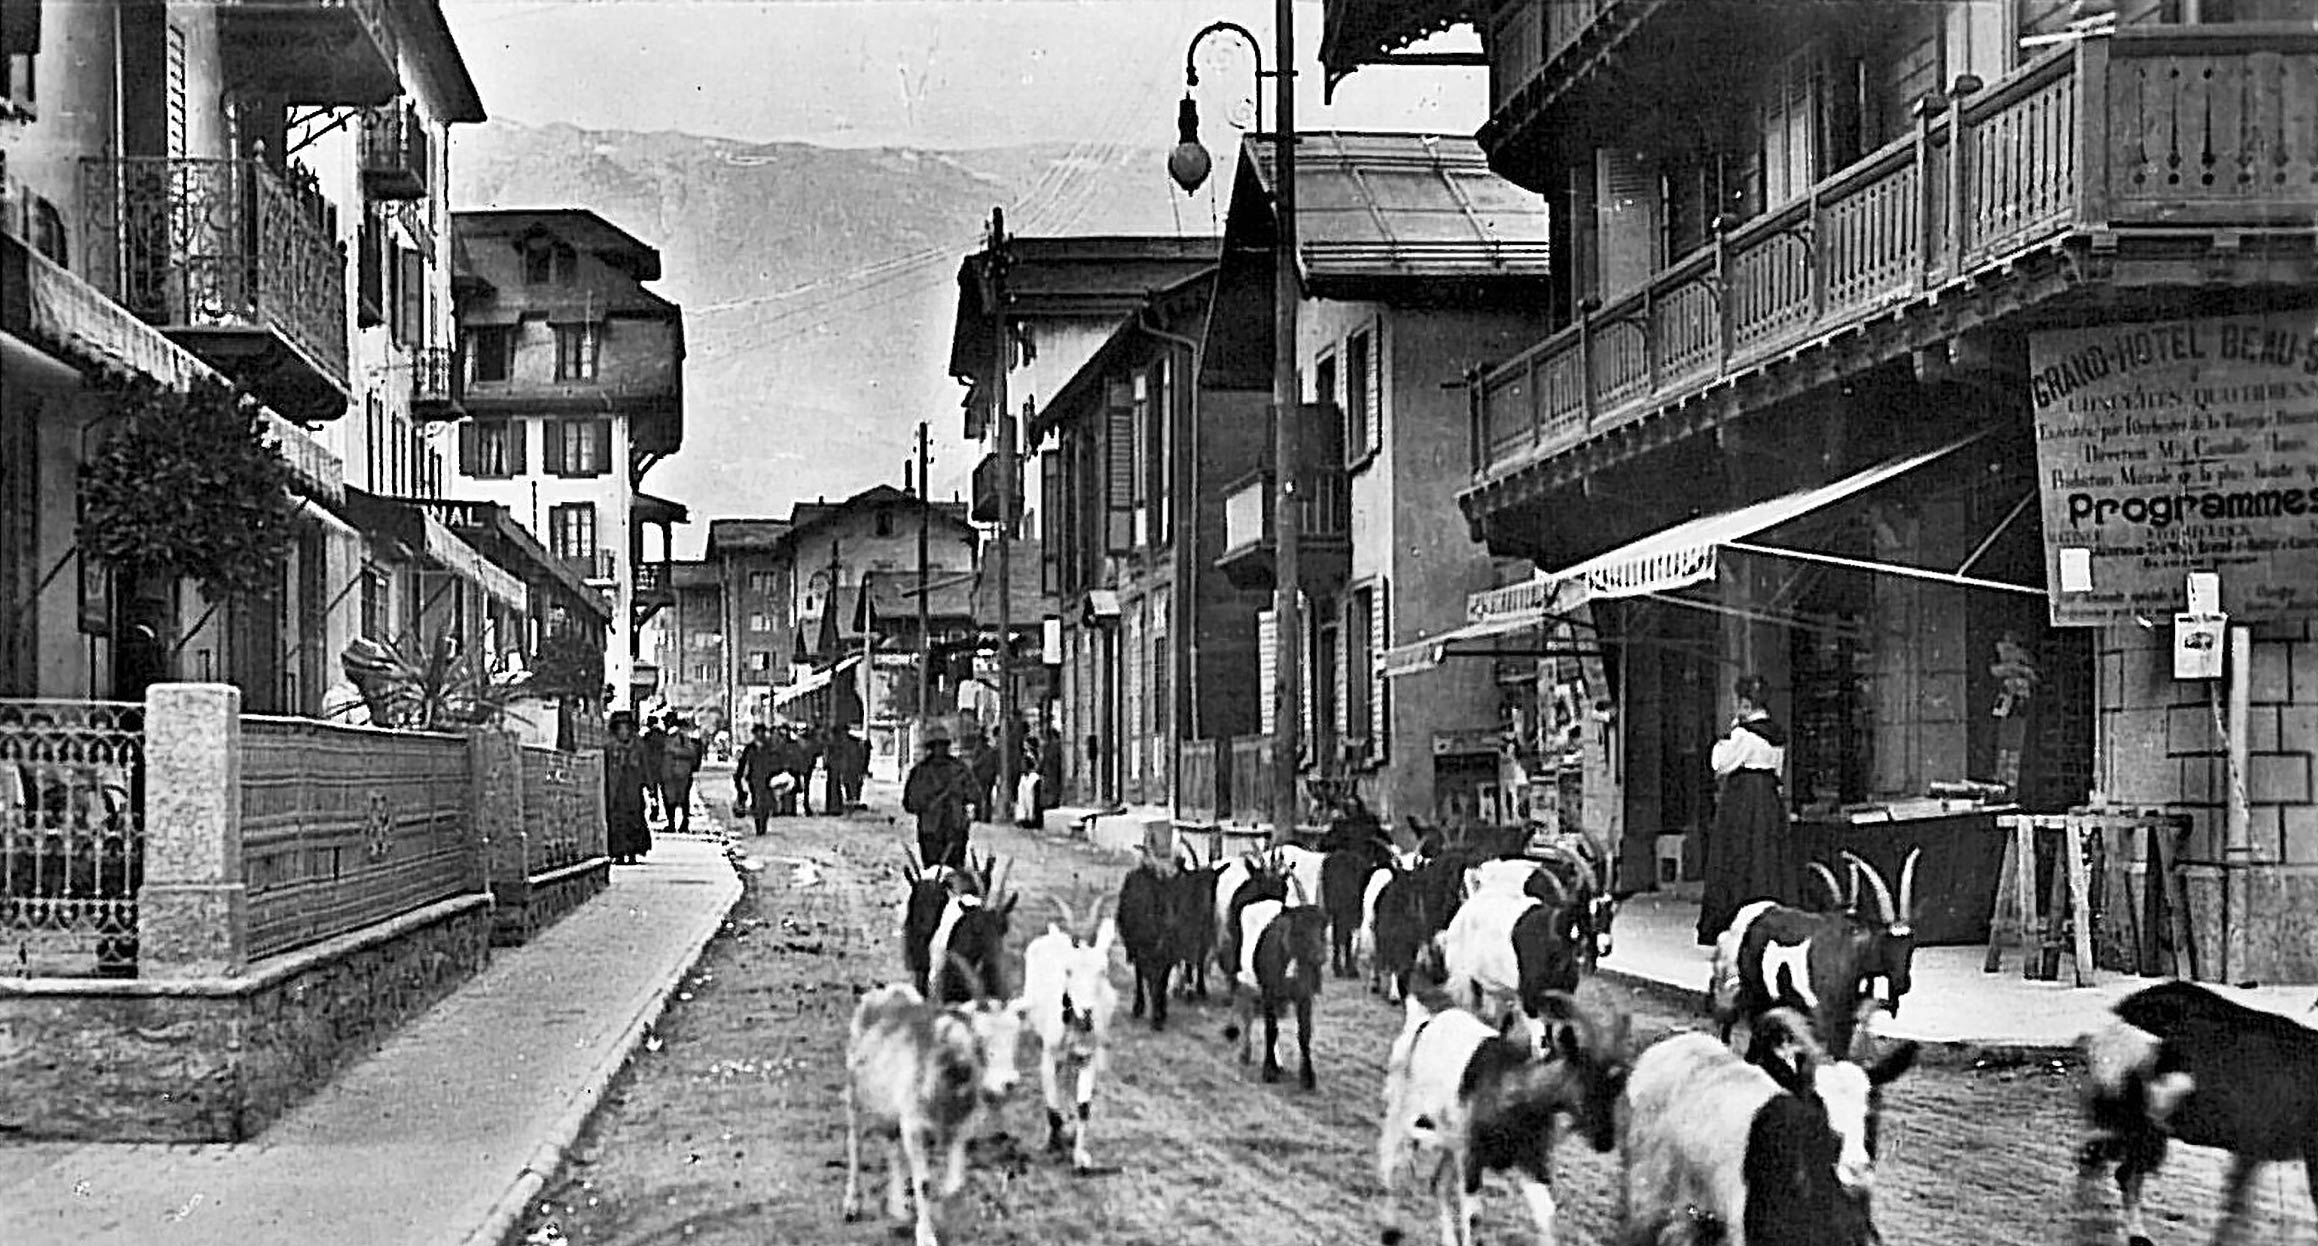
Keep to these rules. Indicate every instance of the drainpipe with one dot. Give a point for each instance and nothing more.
(1186, 708)
(2237, 826)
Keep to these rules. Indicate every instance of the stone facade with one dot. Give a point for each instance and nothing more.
(219, 1059)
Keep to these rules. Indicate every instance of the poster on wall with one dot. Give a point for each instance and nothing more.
(2178, 446)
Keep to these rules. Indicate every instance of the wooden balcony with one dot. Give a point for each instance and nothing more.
(986, 481)
(2154, 153)
(397, 153)
(231, 260)
(322, 52)
(1324, 537)
(653, 591)
(438, 384)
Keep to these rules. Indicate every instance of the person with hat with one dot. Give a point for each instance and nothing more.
(761, 770)
(627, 836)
(938, 790)
(679, 761)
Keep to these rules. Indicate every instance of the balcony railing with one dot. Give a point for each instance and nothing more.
(329, 52)
(1324, 534)
(218, 252)
(397, 153)
(72, 835)
(597, 567)
(2164, 126)
(438, 383)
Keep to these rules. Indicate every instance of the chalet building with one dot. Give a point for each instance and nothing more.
(762, 646)
(574, 389)
(198, 190)
(1875, 328)
(1100, 335)
(690, 644)
(1417, 265)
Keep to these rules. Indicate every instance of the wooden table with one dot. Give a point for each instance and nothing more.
(1963, 853)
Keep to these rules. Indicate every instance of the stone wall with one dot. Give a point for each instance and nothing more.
(219, 1059)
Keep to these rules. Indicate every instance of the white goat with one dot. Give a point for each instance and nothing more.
(1068, 998)
(1484, 972)
(1303, 866)
(1505, 876)
(920, 1076)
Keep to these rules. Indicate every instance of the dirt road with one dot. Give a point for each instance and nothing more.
(728, 1129)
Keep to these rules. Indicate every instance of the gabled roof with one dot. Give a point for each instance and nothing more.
(1363, 32)
(1091, 275)
(580, 227)
(810, 515)
(1185, 299)
(1380, 207)
(695, 575)
(739, 536)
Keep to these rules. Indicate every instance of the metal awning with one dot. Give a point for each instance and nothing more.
(1672, 558)
(814, 682)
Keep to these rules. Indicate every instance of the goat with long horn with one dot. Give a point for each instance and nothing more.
(1893, 949)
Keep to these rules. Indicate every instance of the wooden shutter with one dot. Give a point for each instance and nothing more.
(1267, 670)
(551, 447)
(1307, 697)
(601, 432)
(466, 448)
(1379, 639)
(1119, 473)
(515, 464)
(1051, 521)
(1374, 421)
(413, 323)
(1626, 221)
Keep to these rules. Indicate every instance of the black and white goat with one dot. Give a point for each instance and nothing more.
(1463, 1099)
(2181, 1063)
(1247, 881)
(1285, 955)
(1776, 1153)
(930, 890)
(1349, 878)
(967, 950)
(1067, 1000)
(921, 1076)
(1507, 948)
(1824, 964)
(1585, 874)
(1400, 925)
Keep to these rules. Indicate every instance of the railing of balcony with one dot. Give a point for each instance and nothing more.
(72, 835)
(2159, 126)
(201, 242)
(396, 152)
(650, 578)
(594, 565)
(438, 377)
(1325, 511)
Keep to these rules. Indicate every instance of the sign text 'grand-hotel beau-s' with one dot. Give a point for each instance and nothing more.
(2178, 446)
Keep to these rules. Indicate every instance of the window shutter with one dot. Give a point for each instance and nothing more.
(515, 464)
(1374, 425)
(601, 430)
(466, 448)
(1379, 639)
(1310, 697)
(1119, 478)
(1050, 521)
(551, 447)
(414, 299)
(1267, 669)
(1341, 676)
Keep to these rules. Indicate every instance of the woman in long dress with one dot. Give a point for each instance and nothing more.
(629, 838)
(1750, 852)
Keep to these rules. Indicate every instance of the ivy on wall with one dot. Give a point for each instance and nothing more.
(188, 483)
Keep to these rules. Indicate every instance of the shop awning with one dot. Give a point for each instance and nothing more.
(1677, 557)
(460, 558)
(814, 682)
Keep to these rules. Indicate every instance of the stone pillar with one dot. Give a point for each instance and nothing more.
(193, 907)
(495, 812)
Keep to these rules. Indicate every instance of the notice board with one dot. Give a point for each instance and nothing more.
(2177, 446)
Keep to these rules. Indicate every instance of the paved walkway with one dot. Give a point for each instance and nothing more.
(443, 1134)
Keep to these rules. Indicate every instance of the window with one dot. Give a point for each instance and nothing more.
(572, 531)
(760, 661)
(1361, 414)
(547, 261)
(17, 96)
(576, 348)
(1360, 664)
(761, 583)
(374, 603)
(398, 451)
(579, 447)
(759, 623)
(373, 443)
(491, 449)
(1162, 448)
(493, 350)
(885, 523)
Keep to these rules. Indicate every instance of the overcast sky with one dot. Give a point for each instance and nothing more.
(923, 73)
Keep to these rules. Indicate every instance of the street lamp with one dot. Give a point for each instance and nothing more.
(1189, 165)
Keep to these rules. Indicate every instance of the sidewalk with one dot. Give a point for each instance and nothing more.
(1952, 1003)
(442, 1135)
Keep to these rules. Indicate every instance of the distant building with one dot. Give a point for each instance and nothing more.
(575, 389)
(689, 646)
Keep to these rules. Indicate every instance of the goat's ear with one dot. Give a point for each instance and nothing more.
(1894, 1064)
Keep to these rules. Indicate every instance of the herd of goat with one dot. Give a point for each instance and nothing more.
(1483, 940)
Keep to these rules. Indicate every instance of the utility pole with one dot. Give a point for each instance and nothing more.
(1288, 638)
(925, 611)
(995, 289)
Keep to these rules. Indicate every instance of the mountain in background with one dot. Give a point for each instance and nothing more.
(818, 284)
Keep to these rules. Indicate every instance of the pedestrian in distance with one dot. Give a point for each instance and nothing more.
(655, 743)
(807, 750)
(784, 762)
(1750, 853)
(627, 835)
(754, 778)
(985, 766)
(938, 790)
(679, 761)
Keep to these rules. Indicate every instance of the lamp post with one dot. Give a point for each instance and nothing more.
(1189, 164)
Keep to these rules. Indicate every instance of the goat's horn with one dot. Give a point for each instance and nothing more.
(965, 970)
(998, 884)
(1851, 888)
(1876, 884)
(1907, 884)
(1553, 880)
(1070, 920)
(1095, 923)
(1827, 876)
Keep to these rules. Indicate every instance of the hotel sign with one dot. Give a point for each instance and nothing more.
(459, 516)
(2166, 448)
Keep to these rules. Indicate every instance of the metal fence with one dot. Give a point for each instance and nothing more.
(72, 835)
(563, 808)
(346, 826)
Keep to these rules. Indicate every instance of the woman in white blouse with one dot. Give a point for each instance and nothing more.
(1749, 853)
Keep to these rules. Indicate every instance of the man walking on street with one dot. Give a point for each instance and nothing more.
(804, 750)
(654, 743)
(752, 777)
(679, 758)
(937, 791)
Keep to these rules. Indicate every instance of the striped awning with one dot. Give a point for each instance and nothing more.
(461, 559)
